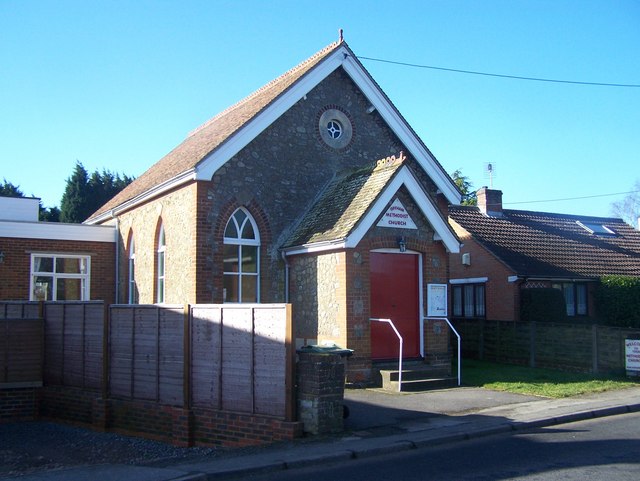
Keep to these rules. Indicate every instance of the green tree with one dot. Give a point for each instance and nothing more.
(628, 208)
(84, 193)
(466, 187)
(7, 189)
(73, 206)
(49, 214)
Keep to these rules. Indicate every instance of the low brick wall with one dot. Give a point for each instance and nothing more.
(171, 424)
(223, 428)
(68, 404)
(19, 404)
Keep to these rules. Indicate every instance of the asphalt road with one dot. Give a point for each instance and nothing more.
(604, 448)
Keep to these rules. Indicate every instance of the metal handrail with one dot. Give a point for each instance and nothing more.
(400, 353)
(457, 335)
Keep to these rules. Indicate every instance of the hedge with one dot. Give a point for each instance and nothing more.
(618, 301)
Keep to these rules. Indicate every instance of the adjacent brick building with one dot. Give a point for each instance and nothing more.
(504, 251)
(53, 261)
(313, 190)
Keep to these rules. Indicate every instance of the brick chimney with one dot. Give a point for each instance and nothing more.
(490, 201)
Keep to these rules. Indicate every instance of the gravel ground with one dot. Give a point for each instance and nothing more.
(29, 447)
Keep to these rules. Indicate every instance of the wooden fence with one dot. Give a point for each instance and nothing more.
(21, 344)
(582, 347)
(235, 358)
(224, 357)
(74, 335)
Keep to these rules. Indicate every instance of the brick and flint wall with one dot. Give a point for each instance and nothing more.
(176, 211)
(330, 293)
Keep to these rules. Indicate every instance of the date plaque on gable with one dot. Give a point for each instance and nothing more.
(397, 217)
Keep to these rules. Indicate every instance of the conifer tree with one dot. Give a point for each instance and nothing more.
(84, 193)
(73, 206)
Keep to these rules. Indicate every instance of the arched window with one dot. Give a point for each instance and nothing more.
(133, 290)
(160, 266)
(241, 258)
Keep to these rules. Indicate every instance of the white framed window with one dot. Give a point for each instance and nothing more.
(241, 259)
(161, 255)
(133, 290)
(60, 277)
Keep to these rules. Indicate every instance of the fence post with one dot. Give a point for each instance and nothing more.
(186, 381)
(532, 343)
(481, 340)
(290, 369)
(105, 351)
(594, 348)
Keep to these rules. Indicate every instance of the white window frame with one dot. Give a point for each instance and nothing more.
(161, 261)
(132, 271)
(239, 241)
(84, 277)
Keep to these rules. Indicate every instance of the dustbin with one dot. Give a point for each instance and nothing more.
(320, 390)
(326, 349)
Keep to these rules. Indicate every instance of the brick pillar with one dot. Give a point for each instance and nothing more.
(320, 379)
(100, 413)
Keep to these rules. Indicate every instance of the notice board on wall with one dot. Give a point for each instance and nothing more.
(436, 300)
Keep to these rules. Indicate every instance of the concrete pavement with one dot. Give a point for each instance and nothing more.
(381, 423)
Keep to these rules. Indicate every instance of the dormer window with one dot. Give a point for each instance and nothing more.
(595, 228)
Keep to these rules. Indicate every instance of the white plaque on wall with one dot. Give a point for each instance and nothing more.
(397, 217)
(437, 300)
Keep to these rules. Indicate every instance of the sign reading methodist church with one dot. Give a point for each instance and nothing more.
(397, 217)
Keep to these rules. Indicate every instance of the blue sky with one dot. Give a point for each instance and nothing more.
(118, 84)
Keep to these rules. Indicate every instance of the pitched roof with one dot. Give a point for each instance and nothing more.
(547, 245)
(342, 204)
(349, 205)
(218, 139)
(213, 133)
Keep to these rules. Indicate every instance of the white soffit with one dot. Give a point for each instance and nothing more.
(57, 231)
(429, 210)
(207, 167)
(341, 57)
(249, 131)
(402, 130)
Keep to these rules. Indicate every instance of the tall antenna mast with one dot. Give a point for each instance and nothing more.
(490, 169)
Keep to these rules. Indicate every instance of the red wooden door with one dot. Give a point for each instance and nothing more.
(394, 281)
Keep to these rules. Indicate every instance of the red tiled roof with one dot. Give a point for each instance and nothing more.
(547, 245)
(212, 134)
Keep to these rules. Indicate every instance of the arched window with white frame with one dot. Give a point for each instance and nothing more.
(161, 254)
(133, 290)
(241, 258)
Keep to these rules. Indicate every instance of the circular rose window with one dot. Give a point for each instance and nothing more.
(335, 128)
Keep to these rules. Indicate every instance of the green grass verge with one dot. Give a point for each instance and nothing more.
(536, 381)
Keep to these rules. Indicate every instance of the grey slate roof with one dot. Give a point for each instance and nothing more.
(342, 204)
(547, 245)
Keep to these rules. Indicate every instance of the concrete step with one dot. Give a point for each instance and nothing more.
(420, 385)
(415, 374)
(417, 377)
